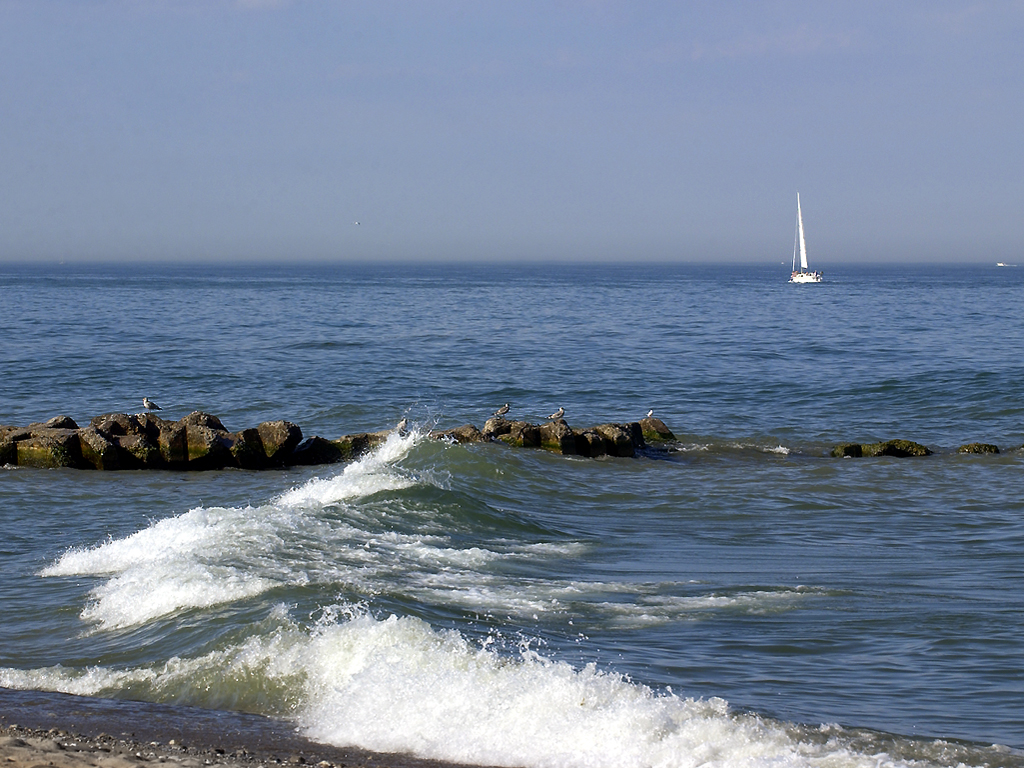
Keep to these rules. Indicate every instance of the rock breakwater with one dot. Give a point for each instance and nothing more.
(200, 441)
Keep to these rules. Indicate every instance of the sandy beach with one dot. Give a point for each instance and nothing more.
(51, 729)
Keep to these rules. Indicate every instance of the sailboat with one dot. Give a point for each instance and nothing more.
(802, 275)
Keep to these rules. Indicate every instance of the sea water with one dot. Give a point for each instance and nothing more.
(737, 599)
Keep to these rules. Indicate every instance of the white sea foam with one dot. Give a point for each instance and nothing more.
(371, 474)
(319, 533)
(398, 685)
(208, 557)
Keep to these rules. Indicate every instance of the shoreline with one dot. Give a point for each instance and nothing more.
(41, 728)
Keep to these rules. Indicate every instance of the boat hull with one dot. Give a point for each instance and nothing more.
(805, 277)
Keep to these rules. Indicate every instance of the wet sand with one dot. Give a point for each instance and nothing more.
(40, 729)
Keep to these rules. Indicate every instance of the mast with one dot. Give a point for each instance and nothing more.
(800, 236)
(796, 237)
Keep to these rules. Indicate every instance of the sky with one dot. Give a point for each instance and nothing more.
(476, 131)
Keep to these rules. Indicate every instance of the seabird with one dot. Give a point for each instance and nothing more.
(401, 426)
(557, 414)
(650, 413)
(150, 405)
(502, 411)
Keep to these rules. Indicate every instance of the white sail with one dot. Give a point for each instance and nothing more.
(800, 234)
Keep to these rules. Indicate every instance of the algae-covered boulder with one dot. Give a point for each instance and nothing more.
(899, 448)
(847, 450)
(98, 451)
(316, 450)
(61, 422)
(621, 439)
(522, 434)
(207, 448)
(246, 449)
(558, 437)
(136, 452)
(353, 446)
(978, 448)
(49, 448)
(199, 419)
(589, 443)
(496, 426)
(110, 424)
(467, 433)
(655, 431)
(172, 443)
(279, 439)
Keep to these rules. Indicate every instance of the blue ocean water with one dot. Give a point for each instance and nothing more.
(739, 599)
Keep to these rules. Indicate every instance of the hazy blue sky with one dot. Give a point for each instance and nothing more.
(264, 129)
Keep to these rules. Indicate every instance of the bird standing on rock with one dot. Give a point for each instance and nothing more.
(502, 411)
(401, 427)
(557, 414)
(650, 413)
(150, 405)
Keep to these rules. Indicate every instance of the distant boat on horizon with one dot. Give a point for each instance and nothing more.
(1000, 264)
(804, 274)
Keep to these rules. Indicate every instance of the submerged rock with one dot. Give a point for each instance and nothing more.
(847, 450)
(899, 448)
(978, 448)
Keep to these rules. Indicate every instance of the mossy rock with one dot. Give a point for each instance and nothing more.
(590, 444)
(621, 440)
(847, 451)
(51, 448)
(316, 450)
(898, 448)
(557, 436)
(522, 434)
(354, 446)
(246, 447)
(279, 439)
(496, 427)
(978, 448)
(136, 452)
(655, 431)
(97, 450)
(467, 433)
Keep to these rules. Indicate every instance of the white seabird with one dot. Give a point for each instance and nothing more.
(650, 413)
(557, 414)
(401, 427)
(149, 405)
(502, 411)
